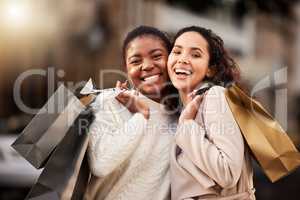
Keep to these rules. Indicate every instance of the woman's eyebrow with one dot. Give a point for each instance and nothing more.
(178, 46)
(192, 48)
(133, 56)
(154, 50)
(197, 48)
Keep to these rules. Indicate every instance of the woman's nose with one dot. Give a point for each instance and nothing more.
(147, 65)
(183, 60)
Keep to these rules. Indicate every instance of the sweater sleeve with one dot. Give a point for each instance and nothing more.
(217, 147)
(112, 143)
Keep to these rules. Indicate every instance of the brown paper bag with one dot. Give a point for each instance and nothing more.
(271, 146)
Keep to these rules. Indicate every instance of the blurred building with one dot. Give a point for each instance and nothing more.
(69, 41)
(81, 39)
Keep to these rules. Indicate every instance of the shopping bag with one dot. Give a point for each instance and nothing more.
(48, 127)
(270, 145)
(66, 173)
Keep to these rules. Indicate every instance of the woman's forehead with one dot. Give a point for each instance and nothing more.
(145, 44)
(147, 39)
(191, 38)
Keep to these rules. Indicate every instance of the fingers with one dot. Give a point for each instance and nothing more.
(196, 102)
(191, 96)
(194, 105)
(125, 85)
(121, 85)
(118, 84)
(129, 99)
(192, 108)
(126, 98)
(123, 96)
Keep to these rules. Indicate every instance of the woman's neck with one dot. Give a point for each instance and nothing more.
(157, 100)
(184, 97)
(157, 97)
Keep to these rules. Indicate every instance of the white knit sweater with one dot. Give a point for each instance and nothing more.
(129, 155)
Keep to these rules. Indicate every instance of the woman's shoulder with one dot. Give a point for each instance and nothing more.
(215, 99)
(216, 92)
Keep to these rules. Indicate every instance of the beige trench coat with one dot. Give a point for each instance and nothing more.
(209, 159)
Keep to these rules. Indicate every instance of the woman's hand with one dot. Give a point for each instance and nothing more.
(121, 86)
(191, 110)
(132, 101)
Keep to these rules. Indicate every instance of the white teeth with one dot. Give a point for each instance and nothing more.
(183, 71)
(151, 78)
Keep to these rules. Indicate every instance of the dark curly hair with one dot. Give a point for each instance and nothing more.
(145, 31)
(226, 70)
(169, 92)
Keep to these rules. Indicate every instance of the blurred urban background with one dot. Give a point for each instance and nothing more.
(73, 40)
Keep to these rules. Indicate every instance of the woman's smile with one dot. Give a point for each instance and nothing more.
(151, 78)
(146, 60)
(182, 73)
(188, 62)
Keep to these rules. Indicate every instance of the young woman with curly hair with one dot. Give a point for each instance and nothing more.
(209, 159)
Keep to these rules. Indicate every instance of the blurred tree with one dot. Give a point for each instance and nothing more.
(279, 8)
(241, 8)
(197, 5)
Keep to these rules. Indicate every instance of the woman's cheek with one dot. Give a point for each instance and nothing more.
(172, 60)
(134, 74)
(169, 63)
(133, 71)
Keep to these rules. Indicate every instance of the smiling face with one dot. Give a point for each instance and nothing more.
(146, 62)
(188, 62)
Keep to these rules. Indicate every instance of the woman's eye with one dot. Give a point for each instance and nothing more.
(196, 55)
(176, 52)
(157, 56)
(135, 62)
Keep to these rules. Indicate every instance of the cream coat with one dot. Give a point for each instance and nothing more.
(209, 159)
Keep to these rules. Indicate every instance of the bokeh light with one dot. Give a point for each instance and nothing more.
(16, 13)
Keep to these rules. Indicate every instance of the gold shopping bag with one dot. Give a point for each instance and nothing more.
(270, 145)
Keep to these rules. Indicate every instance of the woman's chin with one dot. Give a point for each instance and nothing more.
(181, 87)
(151, 90)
